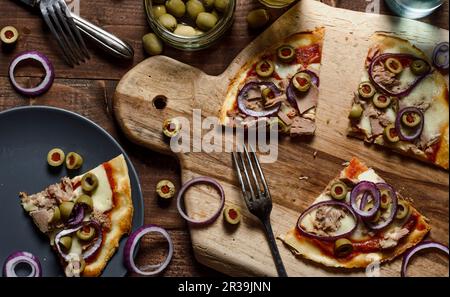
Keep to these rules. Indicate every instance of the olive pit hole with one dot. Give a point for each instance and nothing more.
(160, 102)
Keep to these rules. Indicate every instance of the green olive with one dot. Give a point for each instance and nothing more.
(402, 209)
(282, 127)
(194, 7)
(338, 190)
(55, 157)
(343, 247)
(267, 94)
(206, 21)
(65, 242)
(390, 133)
(158, 10)
(221, 5)
(377, 217)
(381, 101)
(184, 30)
(86, 200)
(56, 215)
(232, 215)
(168, 21)
(171, 127)
(73, 161)
(89, 182)
(258, 18)
(65, 209)
(152, 44)
(386, 199)
(411, 119)
(165, 189)
(302, 81)
(286, 53)
(86, 233)
(419, 67)
(366, 90)
(393, 65)
(177, 8)
(356, 111)
(265, 68)
(209, 4)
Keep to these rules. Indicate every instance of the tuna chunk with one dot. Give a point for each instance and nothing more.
(309, 100)
(301, 126)
(328, 220)
(391, 238)
(42, 219)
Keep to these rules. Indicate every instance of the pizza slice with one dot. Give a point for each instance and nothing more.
(402, 102)
(279, 86)
(359, 219)
(85, 216)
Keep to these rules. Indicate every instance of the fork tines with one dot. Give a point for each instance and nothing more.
(58, 18)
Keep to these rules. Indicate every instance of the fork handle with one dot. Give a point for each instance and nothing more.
(274, 248)
(106, 40)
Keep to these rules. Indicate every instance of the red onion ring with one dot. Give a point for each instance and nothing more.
(132, 243)
(264, 113)
(46, 64)
(324, 203)
(291, 92)
(201, 180)
(362, 188)
(17, 258)
(77, 215)
(421, 246)
(383, 89)
(440, 56)
(398, 123)
(394, 203)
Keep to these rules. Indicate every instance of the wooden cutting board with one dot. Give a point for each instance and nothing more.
(244, 251)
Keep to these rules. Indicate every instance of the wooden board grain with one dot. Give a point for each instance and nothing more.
(244, 251)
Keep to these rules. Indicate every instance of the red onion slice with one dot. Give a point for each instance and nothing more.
(394, 203)
(46, 64)
(16, 258)
(291, 92)
(440, 56)
(201, 180)
(250, 112)
(421, 246)
(77, 215)
(363, 188)
(131, 245)
(417, 130)
(321, 204)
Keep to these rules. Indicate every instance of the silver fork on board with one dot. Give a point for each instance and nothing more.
(258, 201)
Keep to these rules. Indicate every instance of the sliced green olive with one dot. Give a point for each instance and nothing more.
(390, 133)
(221, 5)
(258, 18)
(55, 157)
(206, 21)
(165, 189)
(177, 8)
(73, 161)
(282, 127)
(152, 44)
(265, 68)
(89, 182)
(9, 35)
(381, 101)
(65, 242)
(419, 67)
(411, 119)
(267, 94)
(168, 21)
(86, 233)
(366, 90)
(402, 209)
(171, 127)
(65, 209)
(86, 200)
(302, 81)
(377, 217)
(56, 215)
(286, 53)
(393, 65)
(232, 215)
(356, 111)
(158, 10)
(338, 190)
(343, 247)
(385, 200)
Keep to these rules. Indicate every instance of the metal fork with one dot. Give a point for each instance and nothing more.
(259, 202)
(58, 18)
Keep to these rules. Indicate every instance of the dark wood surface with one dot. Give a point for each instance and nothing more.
(88, 89)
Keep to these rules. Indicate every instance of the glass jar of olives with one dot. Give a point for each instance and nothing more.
(276, 3)
(190, 24)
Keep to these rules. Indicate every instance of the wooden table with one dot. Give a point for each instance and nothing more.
(88, 90)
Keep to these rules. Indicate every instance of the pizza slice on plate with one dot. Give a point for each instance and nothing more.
(359, 219)
(402, 102)
(85, 216)
(280, 85)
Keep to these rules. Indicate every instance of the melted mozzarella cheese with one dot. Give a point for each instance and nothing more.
(286, 70)
(76, 247)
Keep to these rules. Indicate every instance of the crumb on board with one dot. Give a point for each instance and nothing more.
(315, 154)
(346, 163)
(328, 121)
(303, 177)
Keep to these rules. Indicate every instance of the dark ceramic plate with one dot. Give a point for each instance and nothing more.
(26, 135)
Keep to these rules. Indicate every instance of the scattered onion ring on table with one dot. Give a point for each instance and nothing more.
(440, 56)
(365, 187)
(417, 131)
(201, 180)
(16, 258)
(132, 242)
(45, 63)
(242, 97)
(421, 246)
(321, 204)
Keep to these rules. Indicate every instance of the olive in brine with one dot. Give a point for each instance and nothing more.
(302, 81)
(152, 44)
(194, 7)
(86, 200)
(366, 90)
(411, 119)
(338, 190)
(65, 209)
(390, 133)
(258, 18)
(89, 182)
(393, 65)
(209, 4)
(168, 21)
(73, 161)
(265, 68)
(65, 242)
(286, 53)
(221, 5)
(419, 67)
(177, 8)
(158, 10)
(55, 157)
(206, 21)
(86, 233)
(184, 30)
(402, 209)
(381, 101)
(356, 111)
(343, 247)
